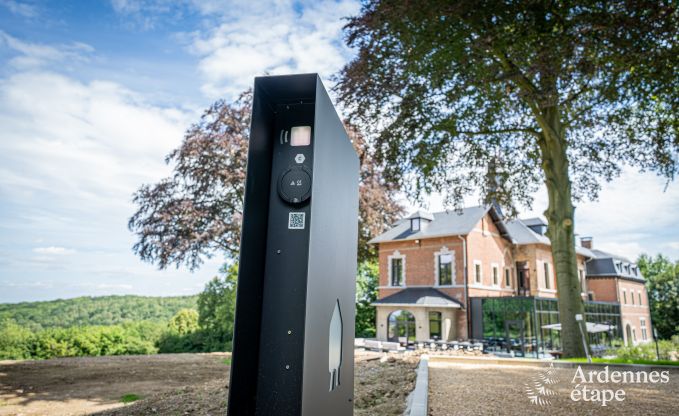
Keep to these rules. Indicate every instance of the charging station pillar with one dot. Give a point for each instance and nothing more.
(293, 347)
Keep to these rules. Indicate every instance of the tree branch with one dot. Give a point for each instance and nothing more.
(501, 131)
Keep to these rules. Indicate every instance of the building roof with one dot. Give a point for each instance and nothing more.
(444, 223)
(534, 221)
(422, 214)
(518, 231)
(450, 223)
(420, 296)
(611, 265)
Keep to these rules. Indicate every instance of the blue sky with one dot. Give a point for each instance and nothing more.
(93, 95)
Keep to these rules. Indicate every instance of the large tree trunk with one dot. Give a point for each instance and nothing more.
(560, 213)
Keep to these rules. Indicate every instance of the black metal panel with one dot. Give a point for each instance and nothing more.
(476, 310)
(296, 283)
(245, 362)
(285, 278)
(332, 264)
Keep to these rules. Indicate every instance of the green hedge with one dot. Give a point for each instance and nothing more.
(18, 342)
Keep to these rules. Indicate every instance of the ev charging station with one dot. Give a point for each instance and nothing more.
(293, 348)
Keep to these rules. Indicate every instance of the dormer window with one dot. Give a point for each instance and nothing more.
(419, 221)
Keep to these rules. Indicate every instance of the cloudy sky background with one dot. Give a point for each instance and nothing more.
(93, 95)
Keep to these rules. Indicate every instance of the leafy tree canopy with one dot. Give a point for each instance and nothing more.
(498, 96)
(102, 310)
(662, 283)
(198, 210)
(467, 84)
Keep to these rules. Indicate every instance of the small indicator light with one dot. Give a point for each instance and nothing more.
(300, 136)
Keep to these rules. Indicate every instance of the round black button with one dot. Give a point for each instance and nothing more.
(295, 185)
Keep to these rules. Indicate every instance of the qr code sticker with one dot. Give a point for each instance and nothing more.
(296, 221)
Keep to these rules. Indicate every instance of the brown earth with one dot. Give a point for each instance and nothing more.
(466, 389)
(170, 384)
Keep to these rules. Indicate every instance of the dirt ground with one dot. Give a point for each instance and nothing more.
(464, 389)
(170, 384)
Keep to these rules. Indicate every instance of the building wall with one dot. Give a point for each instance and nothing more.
(449, 322)
(603, 289)
(488, 250)
(420, 264)
(633, 313)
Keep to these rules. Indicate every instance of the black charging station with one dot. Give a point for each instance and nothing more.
(294, 329)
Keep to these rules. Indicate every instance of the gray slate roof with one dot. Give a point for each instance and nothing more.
(450, 223)
(422, 214)
(607, 264)
(420, 296)
(444, 224)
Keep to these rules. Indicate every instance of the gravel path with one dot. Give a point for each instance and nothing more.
(465, 389)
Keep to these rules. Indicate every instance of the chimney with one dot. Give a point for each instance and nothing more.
(586, 242)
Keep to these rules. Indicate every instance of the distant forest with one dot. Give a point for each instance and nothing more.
(88, 311)
(119, 325)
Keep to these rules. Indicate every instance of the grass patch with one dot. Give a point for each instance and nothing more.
(129, 398)
(226, 361)
(623, 361)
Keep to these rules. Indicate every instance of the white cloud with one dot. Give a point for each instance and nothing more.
(274, 37)
(634, 214)
(34, 285)
(60, 251)
(114, 286)
(18, 8)
(673, 245)
(89, 145)
(33, 55)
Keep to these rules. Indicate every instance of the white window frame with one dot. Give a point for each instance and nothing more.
(583, 280)
(414, 221)
(639, 297)
(546, 275)
(631, 293)
(480, 281)
(445, 250)
(624, 296)
(508, 273)
(495, 267)
(644, 331)
(397, 255)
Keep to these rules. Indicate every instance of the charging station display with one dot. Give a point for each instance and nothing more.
(294, 329)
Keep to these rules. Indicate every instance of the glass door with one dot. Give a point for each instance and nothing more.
(514, 334)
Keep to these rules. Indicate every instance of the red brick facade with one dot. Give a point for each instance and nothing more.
(491, 270)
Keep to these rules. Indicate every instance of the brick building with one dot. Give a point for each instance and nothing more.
(473, 275)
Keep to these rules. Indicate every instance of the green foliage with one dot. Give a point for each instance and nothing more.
(129, 398)
(216, 309)
(183, 334)
(105, 310)
(367, 281)
(669, 350)
(662, 283)
(13, 340)
(128, 338)
(184, 322)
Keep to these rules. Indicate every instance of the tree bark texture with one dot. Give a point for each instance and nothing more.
(560, 218)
